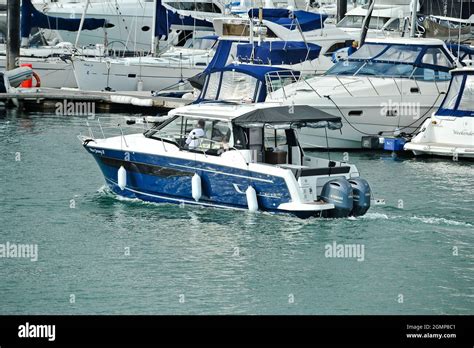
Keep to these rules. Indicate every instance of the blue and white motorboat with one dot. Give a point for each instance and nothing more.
(450, 130)
(230, 151)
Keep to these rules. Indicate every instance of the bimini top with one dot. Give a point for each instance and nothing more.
(278, 52)
(291, 116)
(459, 101)
(307, 21)
(423, 53)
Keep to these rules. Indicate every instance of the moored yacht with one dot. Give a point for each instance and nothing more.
(450, 131)
(226, 151)
(387, 86)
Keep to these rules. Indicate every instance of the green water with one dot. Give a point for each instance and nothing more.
(224, 262)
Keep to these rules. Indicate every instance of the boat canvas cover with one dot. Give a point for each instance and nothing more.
(278, 52)
(305, 20)
(459, 101)
(291, 116)
(32, 18)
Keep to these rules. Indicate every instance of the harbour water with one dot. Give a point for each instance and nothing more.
(98, 254)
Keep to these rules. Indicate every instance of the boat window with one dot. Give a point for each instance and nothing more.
(468, 94)
(453, 93)
(386, 69)
(402, 54)
(345, 68)
(274, 138)
(357, 21)
(237, 87)
(368, 51)
(426, 74)
(213, 86)
(435, 56)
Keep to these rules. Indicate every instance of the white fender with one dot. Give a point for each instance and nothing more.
(122, 177)
(196, 187)
(252, 202)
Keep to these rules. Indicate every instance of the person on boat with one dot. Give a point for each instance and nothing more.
(193, 141)
(353, 48)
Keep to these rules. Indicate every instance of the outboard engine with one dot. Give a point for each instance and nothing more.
(362, 195)
(338, 192)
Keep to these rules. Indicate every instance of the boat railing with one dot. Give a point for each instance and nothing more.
(281, 80)
(102, 128)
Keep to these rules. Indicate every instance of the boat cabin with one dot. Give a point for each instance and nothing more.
(262, 134)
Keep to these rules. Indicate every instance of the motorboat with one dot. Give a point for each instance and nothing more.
(450, 130)
(227, 150)
(386, 86)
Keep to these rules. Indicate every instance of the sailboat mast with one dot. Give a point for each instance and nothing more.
(81, 25)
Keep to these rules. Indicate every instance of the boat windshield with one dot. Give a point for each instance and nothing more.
(231, 86)
(457, 97)
(215, 134)
(357, 21)
(396, 61)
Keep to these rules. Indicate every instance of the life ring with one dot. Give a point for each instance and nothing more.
(37, 79)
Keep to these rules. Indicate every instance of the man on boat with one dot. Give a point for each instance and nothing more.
(194, 138)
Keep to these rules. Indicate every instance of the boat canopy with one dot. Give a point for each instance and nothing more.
(291, 116)
(242, 82)
(432, 56)
(277, 52)
(306, 21)
(32, 18)
(459, 101)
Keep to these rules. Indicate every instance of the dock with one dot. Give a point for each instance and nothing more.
(50, 99)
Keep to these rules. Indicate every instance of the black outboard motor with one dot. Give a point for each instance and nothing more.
(362, 195)
(338, 192)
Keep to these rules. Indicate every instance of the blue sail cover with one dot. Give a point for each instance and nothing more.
(307, 21)
(166, 18)
(32, 18)
(278, 52)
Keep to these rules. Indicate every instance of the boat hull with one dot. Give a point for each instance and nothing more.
(164, 179)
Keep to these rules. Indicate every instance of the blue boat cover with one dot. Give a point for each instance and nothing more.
(166, 18)
(278, 52)
(32, 18)
(307, 21)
